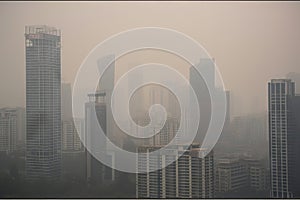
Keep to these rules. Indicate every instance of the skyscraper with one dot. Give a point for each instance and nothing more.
(106, 84)
(284, 134)
(200, 87)
(296, 78)
(70, 135)
(8, 130)
(96, 111)
(66, 101)
(43, 102)
(12, 129)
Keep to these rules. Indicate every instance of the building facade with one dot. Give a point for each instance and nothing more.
(70, 135)
(12, 129)
(43, 102)
(284, 133)
(8, 130)
(188, 177)
(231, 175)
(257, 175)
(66, 101)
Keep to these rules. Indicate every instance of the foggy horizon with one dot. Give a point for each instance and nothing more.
(251, 42)
(150, 99)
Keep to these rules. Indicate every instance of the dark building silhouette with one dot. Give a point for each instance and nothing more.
(201, 90)
(95, 110)
(284, 138)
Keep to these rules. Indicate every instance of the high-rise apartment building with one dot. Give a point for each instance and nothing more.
(70, 135)
(43, 102)
(284, 142)
(12, 129)
(8, 130)
(66, 101)
(190, 176)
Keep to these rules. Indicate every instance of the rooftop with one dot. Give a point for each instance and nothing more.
(35, 29)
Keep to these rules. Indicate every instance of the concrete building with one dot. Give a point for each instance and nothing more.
(188, 177)
(284, 138)
(70, 135)
(167, 133)
(8, 130)
(231, 175)
(257, 175)
(66, 101)
(12, 129)
(43, 102)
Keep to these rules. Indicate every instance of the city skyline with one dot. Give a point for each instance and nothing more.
(267, 49)
(69, 144)
(206, 104)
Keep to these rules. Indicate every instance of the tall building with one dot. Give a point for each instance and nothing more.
(227, 118)
(167, 133)
(12, 129)
(200, 88)
(250, 133)
(43, 102)
(187, 177)
(70, 135)
(296, 78)
(106, 84)
(96, 111)
(8, 130)
(284, 142)
(66, 101)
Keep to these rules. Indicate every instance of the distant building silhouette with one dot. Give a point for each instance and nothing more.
(96, 112)
(228, 118)
(66, 101)
(106, 84)
(8, 130)
(43, 102)
(70, 135)
(12, 129)
(200, 88)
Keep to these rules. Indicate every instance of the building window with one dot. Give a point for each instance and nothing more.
(29, 43)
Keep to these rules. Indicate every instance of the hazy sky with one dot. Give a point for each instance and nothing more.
(252, 42)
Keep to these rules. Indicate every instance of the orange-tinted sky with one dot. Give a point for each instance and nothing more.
(252, 42)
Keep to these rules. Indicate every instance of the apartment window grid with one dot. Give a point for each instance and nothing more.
(43, 102)
(278, 93)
